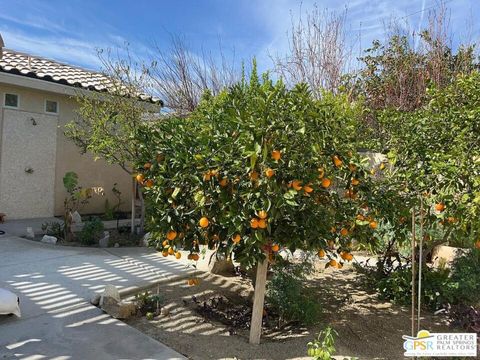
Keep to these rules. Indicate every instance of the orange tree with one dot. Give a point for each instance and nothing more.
(435, 152)
(258, 168)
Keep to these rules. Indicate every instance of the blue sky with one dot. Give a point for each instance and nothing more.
(72, 30)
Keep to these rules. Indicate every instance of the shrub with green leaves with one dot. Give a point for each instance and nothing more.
(459, 285)
(287, 294)
(92, 231)
(323, 347)
(465, 279)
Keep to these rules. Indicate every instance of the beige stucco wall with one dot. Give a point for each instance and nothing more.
(68, 157)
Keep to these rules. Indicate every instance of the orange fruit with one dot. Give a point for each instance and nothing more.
(160, 157)
(348, 257)
(165, 243)
(276, 155)
(207, 176)
(223, 182)
(296, 184)
(439, 207)
(373, 224)
(355, 182)
(344, 232)
(262, 224)
(262, 214)
(275, 248)
(171, 251)
(147, 165)
(352, 167)
(321, 253)
(360, 217)
(195, 257)
(236, 239)
(140, 178)
(254, 223)
(326, 183)
(332, 263)
(165, 253)
(203, 222)
(178, 255)
(339, 265)
(307, 188)
(190, 282)
(269, 172)
(336, 161)
(477, 244)
(196, 281)
(331, 244)
(171, 235)
(149, 183)
(254, 176)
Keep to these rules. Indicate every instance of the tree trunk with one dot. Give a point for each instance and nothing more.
(258, 302)
(142, 211)
(134, 195)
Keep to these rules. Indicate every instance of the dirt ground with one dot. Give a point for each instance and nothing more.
(368, 328)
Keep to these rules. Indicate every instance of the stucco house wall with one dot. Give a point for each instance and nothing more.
(66, 157)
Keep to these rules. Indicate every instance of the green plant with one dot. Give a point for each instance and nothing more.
(465, 279)
(92, 231)
(148, 303)
(108, 212)
(397, 286)
(54, 228)
(287, 294)
(76, 196)
(323, 347)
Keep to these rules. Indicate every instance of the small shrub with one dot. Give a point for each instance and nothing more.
(465, 279)
(288, 295)
(440, 287)
(53, 228)
(148, 303)
(92, 231)
(323, 347)
(398, 287)
(108, 212)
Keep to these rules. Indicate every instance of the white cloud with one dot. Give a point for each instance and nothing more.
(64, 49)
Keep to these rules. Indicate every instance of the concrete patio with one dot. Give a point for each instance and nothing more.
(55, 283)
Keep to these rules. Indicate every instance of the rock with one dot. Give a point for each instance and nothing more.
(110, 291)
(443, 256)
(221, 267)
(30, 233)
(95, 299)
(76, 218)
(49, 239)
(116, 245)
(165, 311)
(118, 310)
(103, 242)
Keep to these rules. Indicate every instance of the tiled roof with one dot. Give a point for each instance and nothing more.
(18, 63)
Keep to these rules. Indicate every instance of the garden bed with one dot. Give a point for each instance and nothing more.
(210, 321)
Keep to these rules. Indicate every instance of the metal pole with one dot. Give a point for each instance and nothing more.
(420, 265)
(413, 272)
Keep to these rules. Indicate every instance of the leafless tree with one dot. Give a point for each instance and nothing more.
(318, 53)
(181, 77)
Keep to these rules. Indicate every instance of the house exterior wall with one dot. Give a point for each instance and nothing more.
(97, 174)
